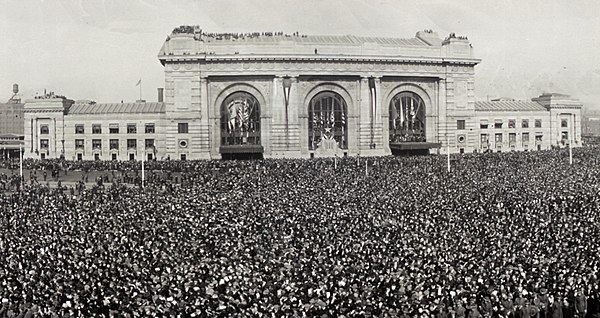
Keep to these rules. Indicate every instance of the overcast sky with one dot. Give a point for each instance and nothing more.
(99, 49)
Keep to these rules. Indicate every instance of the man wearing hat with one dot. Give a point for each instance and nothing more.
(580, 303)
(544, 303)
(557, 308)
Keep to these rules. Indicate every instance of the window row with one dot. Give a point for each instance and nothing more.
(182, 128)
(512, 138)
(512, 123)
(113, 144)
(114, 128)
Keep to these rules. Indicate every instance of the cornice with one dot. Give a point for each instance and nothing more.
(207, 58)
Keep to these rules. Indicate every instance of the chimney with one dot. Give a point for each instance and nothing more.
(161, 94)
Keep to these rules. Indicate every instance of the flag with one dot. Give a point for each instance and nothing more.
(417, 112)
(332, 119)
(412, 111)
(343, 125)
(401, 113)
(139, 82)
(394, 115)
(233, 113)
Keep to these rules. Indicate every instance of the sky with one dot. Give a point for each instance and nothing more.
(98, 50)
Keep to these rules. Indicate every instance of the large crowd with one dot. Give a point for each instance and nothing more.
(500, 235)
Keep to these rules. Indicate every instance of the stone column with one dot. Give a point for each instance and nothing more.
(279, 141)
(53, 150)
(380, 113)
(365, 117)
(442, 116)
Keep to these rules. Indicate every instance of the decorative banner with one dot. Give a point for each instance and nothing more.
(327, 117)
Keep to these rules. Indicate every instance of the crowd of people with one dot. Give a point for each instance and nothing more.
(199, 34)
(500, 235)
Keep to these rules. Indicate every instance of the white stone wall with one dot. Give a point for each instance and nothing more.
(122, 120)
(492, 116)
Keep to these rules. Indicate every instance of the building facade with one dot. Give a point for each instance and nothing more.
(11, 125)
(276, 95)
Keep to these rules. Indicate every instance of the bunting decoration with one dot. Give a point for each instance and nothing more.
(407, 118)
(327, 114)
(240, 119)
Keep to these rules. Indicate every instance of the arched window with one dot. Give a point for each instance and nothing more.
(327, 119)
(407, 118)
(240, 120)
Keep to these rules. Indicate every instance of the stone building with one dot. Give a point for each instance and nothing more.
(277, 95)
(547, 121)
(11, 125)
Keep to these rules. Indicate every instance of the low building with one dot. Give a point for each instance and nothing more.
(591, 127)
(85, 130)
(11, 125)
(544, 122)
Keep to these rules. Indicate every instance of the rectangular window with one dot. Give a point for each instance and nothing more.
(114, 144)
(79, 129)
(149, 128)
(538, 123)
(460, 124)
(483, 125)
(525, 123)
(498, 138)
(131, 143)
(511, 123)
(498, 124)
(79, 143)
(484, 140)
(44, 143)
(44, 130)
(564, 123)
(96, 129)
(113, 128)
(131, 128)
(96, 144)
(564, 136)
(525, 138)
(149, 143)
(512, 138)
(182, 128)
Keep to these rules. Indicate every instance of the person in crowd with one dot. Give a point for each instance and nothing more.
(500, 235)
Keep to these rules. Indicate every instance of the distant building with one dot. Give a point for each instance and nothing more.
(276, 95)
(11, 125)
(591, 128)
(551, 120)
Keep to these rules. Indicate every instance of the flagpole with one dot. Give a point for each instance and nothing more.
(448, 151)
(140, 89)
(21, 163)
(143, 157)
(367, 168)
(570, 142)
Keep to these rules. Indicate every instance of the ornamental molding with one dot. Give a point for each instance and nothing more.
(169, 59)
(275, 68)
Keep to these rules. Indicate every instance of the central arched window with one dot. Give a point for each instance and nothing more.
(407, 118)
(240, 120)
(327, 119)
